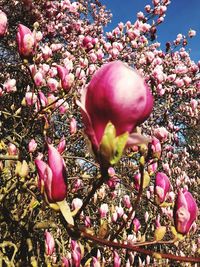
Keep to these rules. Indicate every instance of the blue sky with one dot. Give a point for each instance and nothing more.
(180, 17)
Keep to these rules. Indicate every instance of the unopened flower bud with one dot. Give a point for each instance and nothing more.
(185, 211)
(49, 243)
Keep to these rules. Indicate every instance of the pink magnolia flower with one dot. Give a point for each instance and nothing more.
(120, 211)
(3, 23)
(140, 15)
(73, 126)
(66, 78)
(77, 203)
(161, 133)
(80, 74)
(65, 262)
(162, 186)
(32, 146)
(87, 42)
(10, 86)
(43, 100)
(126, 201)
(52, 84)
(103, 210)
(136, 224)
(117, 260)
(49, 243)
(87, 221)
(52, 175)
(185, 211)
(112, 182)
(152, 167)
(93, 57)
(114, 216)
(179, 82)
(38, 79)
(191, 33)
(156, 147)
(25, 41)
(78, 183)
(193, 103)
(116, 94)
(12, 149)
(33, 69)
(62, 105)
(30, 98)
(46, 52)
(76, 253)
(147, 8)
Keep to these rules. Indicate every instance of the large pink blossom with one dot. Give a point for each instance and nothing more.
(116, 94)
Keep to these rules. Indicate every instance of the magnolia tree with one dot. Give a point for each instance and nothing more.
(99, 136)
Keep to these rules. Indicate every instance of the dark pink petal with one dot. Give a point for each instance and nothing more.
(56, 163)
(185, 211)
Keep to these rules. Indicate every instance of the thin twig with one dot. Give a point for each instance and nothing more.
(9, 157)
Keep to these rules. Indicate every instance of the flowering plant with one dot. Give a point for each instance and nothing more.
(98, 138)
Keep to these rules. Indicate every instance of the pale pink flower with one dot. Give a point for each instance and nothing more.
(12, 149)
(161, 133)
(103, 210)
(10, 86)
(30, 98)
(32, 146)
(73, 126)
(77, 203)
(25, 41)
(162, 186)
(52, 84)
(191, 33)
(3, 23)
(38, 79)
(49, 243)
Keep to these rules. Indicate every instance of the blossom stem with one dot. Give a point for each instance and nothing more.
(138, 249)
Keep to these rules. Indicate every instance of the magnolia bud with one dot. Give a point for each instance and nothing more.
(25, 41)
(49, 243)
(32, 146)
(185, 211)
(104, 97)
(162, 186)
